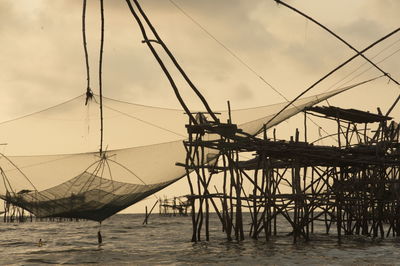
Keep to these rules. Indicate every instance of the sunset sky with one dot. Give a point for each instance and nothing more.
(227, 47)
(42, 60)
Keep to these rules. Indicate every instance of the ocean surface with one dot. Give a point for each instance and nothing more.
(166, 240)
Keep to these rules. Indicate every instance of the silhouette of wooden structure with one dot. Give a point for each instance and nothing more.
(15, 214)
(176, 206)
(354, 185)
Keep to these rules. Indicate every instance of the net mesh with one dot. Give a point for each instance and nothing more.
(86, 196)
(75, 183)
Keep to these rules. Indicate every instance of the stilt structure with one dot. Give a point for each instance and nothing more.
(176, 206)
(354, 185)
(16, 214)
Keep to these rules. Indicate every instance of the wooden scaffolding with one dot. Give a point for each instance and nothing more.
(176, 206)
(353, 187)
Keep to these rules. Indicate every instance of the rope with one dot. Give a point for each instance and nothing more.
(127, 169)
(146, 122)
(18, 169)
(85, 171)
(101, 76)
(350, 46)
(111, 176)
(88, 90)
(360, 66)
(398, 97)
(339, 38)
(333, 71)
(239, 59)
(366, 70)
(234, 55)
(41, 111)
(320, 128)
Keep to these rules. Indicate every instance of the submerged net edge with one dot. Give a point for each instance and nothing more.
(90, 210)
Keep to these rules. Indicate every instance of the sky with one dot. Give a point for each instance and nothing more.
(239, 43)
(42, 60)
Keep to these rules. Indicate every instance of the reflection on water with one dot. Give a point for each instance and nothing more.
(166, 240)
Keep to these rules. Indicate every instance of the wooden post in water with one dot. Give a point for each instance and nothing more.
(145, 219)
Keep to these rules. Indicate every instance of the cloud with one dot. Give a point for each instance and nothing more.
(243, 93)
(43, 52)
(362, 32)
(385, 11)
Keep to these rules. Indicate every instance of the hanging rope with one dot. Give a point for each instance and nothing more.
(101, 76)
(89, 93)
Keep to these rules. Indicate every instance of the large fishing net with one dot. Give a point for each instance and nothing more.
(72, 182)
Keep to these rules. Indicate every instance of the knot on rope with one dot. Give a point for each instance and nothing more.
(89, 95)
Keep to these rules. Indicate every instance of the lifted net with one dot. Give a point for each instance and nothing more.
(78, 184)
(86, 196)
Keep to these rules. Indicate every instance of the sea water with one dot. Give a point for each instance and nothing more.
(166, 240)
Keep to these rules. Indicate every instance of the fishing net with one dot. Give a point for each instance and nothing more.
(86, 196)
(72, 182)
